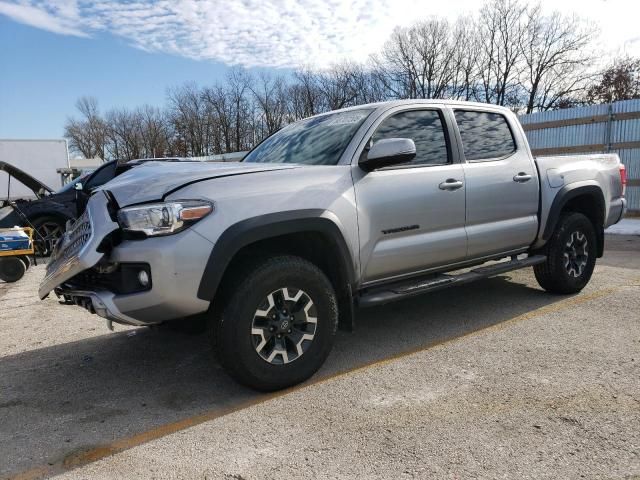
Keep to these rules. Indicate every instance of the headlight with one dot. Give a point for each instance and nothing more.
(154, 219)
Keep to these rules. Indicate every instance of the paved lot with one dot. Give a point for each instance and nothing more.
(493, 379)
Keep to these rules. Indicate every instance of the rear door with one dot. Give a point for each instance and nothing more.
(411, 216)
(501, 180)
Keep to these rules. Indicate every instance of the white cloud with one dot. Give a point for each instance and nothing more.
(269, 33)
(277, 33)
(56, 20)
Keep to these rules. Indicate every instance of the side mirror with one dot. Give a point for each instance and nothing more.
(78, 186)
(387, 152)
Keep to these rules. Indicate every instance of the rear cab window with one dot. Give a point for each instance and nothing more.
(485, 136)
(427, 130)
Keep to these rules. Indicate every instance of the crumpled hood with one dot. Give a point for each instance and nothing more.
(154, 180)
(30, 182)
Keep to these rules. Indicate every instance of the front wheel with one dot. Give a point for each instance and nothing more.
(571, 255)
(278, 325)
(48, 230)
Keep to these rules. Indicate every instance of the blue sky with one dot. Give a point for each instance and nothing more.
(43, 74)
(127, 53)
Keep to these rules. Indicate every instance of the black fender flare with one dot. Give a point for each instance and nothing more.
(262, 227)
(567, 193)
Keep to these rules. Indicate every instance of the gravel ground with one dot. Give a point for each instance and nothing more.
(28, 323)
(531, 400)
(491, 380)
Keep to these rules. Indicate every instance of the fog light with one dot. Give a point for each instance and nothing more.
(143, 278)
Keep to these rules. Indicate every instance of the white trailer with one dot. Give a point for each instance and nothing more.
(38, 158)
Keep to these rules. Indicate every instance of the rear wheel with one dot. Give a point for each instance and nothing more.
(278, 325)
(571, 255)
(11, 269)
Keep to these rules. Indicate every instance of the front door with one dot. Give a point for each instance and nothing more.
(411, 217)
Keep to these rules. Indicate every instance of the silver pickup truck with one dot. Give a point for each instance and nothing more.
(352, 208)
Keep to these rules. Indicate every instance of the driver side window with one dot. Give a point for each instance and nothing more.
(425, 128)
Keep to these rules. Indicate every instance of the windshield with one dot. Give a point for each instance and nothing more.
(70, 185)
(313, 141)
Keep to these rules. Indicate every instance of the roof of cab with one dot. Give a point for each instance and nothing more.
(420, 101)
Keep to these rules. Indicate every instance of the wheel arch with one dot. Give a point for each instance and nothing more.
(585, 199)
(47, 209)
(58, 215)
(305, 233)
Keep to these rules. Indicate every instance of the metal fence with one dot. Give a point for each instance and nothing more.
(605, 128)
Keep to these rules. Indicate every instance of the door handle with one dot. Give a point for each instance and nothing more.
(522, 177)
(450, 184)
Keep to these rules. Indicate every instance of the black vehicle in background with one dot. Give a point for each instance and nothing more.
(49, 212)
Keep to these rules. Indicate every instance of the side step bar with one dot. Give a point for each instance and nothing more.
(409, 288)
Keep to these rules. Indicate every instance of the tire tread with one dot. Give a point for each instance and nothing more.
(550, 274)
(246, 280)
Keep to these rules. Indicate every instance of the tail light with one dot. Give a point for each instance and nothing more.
(623, 178)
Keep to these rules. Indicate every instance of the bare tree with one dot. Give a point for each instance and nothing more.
(336, 86)
(433, 43)
(187, 113)
(465, 50)
(501, 30)
(270, 96)
(124, 132)
(307, 91)
(153, 131)
(87, 134)
(221, 112)
(556, 55)
(395, 65)
(366, 86)
(238, 82)
(420, 61)
(296, 102)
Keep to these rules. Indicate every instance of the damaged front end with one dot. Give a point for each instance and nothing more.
(78, 249)
(123, 275)
(76, 271)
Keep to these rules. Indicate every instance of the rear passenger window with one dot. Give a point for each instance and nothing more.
(426, 130)
(485, 136)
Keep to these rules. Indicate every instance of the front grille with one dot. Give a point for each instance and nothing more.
(71, 243)
(81, 247)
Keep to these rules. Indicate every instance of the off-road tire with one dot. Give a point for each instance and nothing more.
(231, 329)
(553, 275)
(11, 269)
